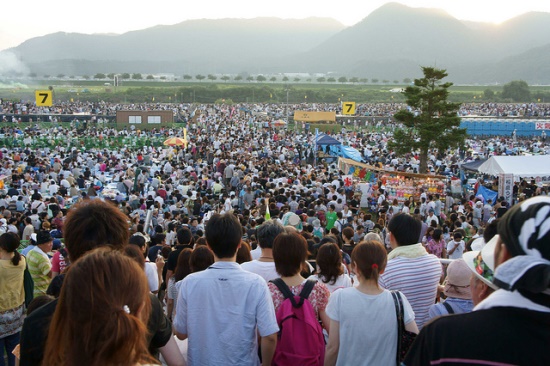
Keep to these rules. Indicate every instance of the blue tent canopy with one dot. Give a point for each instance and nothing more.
(323, 139)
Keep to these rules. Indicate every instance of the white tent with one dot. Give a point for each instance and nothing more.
(520, 166)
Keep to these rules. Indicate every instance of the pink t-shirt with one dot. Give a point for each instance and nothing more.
(58, 262)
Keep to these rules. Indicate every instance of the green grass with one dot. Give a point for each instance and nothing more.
(133, 91)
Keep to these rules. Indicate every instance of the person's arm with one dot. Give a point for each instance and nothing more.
(268, 344)
(411, 327)
(333, 346)
(171, 354)
(325, 320)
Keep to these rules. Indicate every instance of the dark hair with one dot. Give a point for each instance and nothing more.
(437, 234)
(490, 230)
(370, 259)
(201, 258)
(133, 252)
(329, 261)
(184, 236)
(96, 319)
(348, 232)
(38, 302)
(94, 223)
(289, 253)
(457, 235)
(223, 234)
(10, 242)
(405, 229)
(137, 240)
(183, 267)
(243, 253)
(267, 232)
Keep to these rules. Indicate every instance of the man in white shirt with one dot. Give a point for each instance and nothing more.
(264, 265)
(223, 308)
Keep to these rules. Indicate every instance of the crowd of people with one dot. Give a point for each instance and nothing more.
(141, 255)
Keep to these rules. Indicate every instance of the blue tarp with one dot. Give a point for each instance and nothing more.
(487, 194)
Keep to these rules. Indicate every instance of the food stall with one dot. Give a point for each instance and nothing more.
(398, 185)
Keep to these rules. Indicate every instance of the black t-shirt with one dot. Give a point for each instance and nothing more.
(503, 335)
(35, 331)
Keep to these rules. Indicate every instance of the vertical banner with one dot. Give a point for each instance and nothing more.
(506, 187)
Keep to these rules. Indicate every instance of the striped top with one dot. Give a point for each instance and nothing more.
(417, 278)
(39, 268)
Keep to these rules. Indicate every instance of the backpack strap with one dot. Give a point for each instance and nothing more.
(304, 294)
(448, 307)
(281, 285)
(306, 290)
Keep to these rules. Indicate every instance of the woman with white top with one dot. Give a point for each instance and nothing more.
(330, 270)
(363, 320)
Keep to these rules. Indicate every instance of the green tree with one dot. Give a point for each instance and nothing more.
(374, 80)
(364, 80)
(517, 91)
(99, 75)
(46, 76)
(86, 77)
(212, 77)
(437, 123)
(331, 80)
(125, 76)
(296, 79)
(354, 79)
(238, 78)
(137, 76)
(321, 79)
(225, 78)
(406, 81)
(273, 79)
(60, 76)
(342, 79)
(199, 77)
(150, 77)
(32, 75)
(488, 94)
(260, 78)
(249, 78)
(396, 81)
(111, 75)
(164, 78)
(285, 78)
(187, 77)
(385, 81)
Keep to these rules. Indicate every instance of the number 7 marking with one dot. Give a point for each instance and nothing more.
(349, 105)
(44, 97)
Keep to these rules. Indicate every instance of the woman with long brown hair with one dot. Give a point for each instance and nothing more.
(101, 314)
(12, 294)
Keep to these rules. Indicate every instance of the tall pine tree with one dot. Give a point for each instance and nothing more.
(432, 122)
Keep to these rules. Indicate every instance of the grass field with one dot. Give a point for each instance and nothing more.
(157, 91)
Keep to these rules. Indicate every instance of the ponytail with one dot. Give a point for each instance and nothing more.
(16, 258)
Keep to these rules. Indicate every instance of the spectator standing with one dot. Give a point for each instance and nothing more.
(410, 268)
(228, 334)
(512, 325)
(367, 306)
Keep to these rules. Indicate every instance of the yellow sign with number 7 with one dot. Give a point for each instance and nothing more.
(44, 98)
(348, 108)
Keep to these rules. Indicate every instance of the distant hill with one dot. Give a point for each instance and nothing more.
(390, 43)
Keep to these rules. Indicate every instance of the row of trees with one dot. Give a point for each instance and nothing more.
(238, 78)
(262, 78)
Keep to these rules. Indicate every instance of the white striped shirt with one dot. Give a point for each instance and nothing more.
(417, 278)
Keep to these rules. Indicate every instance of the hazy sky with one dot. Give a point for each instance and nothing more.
(24, 19)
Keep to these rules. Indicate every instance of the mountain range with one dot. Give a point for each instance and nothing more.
(390, 43)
